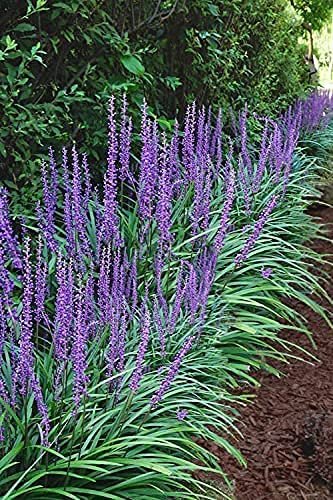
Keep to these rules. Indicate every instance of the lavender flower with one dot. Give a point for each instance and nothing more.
(172, 372)
(182, 414)
(117, 298)
(79, 217)
(250, 242)
(207, 192)
(148, 167)
(215, 148)
(24, 368)
(64, 312)
(68, 202)
(79, 348)
(163, 208)
(135, 380)
(266, 272)
(46, 216)
(207, 266)
(3, 328)
(188, 155)
(120, 363)
(125, 143)
(3, 391)
(110, 229)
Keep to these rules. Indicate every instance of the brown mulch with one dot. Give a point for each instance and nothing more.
(288, 429)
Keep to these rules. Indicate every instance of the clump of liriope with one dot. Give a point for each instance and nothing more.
(128, 312)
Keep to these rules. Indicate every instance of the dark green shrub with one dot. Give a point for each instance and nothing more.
(60, 62)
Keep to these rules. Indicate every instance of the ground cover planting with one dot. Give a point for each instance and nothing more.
(131, 311)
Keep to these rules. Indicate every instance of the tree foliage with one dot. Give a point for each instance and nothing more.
(313, 12)
(61, 61)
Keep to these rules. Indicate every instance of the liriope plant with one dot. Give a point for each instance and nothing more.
(130, 311)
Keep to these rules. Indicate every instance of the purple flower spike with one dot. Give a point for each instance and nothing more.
(137, 375)
(110, 229)
(25, 365)
(266, 273)
(148, 166)
(250, 242)
(79, 348)
(125, 143)
(68, 216)
(188, 143)
(172, 372)
(46, 215)
(3, 328)
(64, 312)
(163, 208)
(182, 414)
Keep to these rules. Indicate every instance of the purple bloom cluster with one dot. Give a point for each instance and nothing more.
(116, 247)
(148, 166)
(64, 311)
(125, 143)
(182, 414)
(46, 213)
(266, 272)
(163, 208)
(79, 348)
(25, 365)
(109, 230)
(173, 371)
(258, 227)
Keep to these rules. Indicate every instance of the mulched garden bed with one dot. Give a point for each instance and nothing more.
(288, 429)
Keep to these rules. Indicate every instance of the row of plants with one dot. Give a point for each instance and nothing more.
(131, 311)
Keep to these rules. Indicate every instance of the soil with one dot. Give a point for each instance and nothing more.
(288, 429)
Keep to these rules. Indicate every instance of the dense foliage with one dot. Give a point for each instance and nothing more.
(127, 314)
(61, 61)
